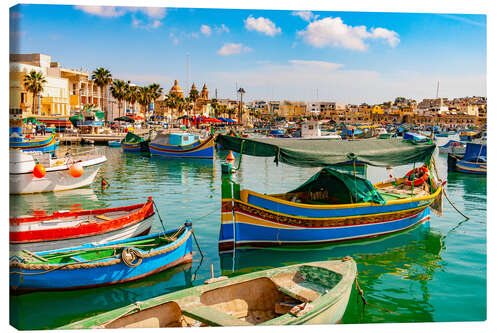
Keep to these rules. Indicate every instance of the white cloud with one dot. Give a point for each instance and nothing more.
(316, 64)
(139, 24)
(153, 12)
(306, 15)
(206, 30)
(333, 32)
(233, 48)
(113, 11)
(263, 25)
(222, 28)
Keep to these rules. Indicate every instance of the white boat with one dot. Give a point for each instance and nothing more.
(311, 130)
(453, 147)
(57, 176)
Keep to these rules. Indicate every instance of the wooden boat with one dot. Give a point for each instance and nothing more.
(182, 145)
(57, 176)
(91, 265)
(311, 293)
(474, 160)
(331, 206)
(114, 144)
(63, 229)
(132, 143)
(22, 143)
(453, 147)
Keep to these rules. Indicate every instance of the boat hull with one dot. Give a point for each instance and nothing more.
(200, 149)
(131, 147)
(140, 228)
(455, 164)
(45, 145)
(55, 179)
(99, 273)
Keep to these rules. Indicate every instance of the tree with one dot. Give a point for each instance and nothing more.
(193, 96)
(144, 97)
(156, 91)
(215, 106)
(33, 82)
(119, 92)
(131, 95)
(102, 77)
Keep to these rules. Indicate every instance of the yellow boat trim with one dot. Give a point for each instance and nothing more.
(244, 218)
(244, 198)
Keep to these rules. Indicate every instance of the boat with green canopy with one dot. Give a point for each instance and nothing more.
(133, 143)
(310, 293)
(331, 206)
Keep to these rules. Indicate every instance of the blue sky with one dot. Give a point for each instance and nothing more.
(350, 57)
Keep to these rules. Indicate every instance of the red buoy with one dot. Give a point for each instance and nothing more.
(230, 156)
(39, 171)
(76, 170)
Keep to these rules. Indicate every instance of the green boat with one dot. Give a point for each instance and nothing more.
(310, 293)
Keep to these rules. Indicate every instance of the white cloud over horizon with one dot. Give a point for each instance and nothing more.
(232, 48)
(333, 32)
(306, 15)
(153, 15)
(262, 25)
(299, 80)
(206, 30)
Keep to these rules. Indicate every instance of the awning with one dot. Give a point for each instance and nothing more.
(325, 152)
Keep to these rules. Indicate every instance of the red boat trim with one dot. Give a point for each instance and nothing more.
(82, 230)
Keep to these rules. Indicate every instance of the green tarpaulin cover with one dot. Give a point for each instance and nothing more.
(325, 152)
(344, 187)
(132, 138)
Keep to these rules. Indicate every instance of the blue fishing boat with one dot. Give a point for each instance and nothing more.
(474, 160)
(415, 137)
(91, 265)
(182, 145)
(21, 142)
(132, 143)
(453, 147)
(114, 144)
(469, 136)
(331, 206)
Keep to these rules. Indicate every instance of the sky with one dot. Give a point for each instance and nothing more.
(348, 57)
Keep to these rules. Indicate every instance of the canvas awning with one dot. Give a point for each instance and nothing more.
(325, 152)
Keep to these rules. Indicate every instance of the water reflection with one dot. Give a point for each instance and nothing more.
(36, 310)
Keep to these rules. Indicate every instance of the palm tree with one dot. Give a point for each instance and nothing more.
(156, 92)
(193, 96)
(119, 91)
(131, 96)
(102, 77)
(144, 97)
(33, 82)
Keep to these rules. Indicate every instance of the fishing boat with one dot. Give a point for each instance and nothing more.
(469, 136)
(303, 294)
(58, 173)
(182, 145)
(474, 160)
(331, 206)
(114, 144)
(453, 147)
(92, 265)
(27, 144)
(69, 228)
(132, 143)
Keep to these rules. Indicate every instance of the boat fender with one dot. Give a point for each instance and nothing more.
(76, 170)
(422, 173)
(131, 257)
(39, 171)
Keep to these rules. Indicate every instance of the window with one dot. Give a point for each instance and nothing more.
(23, 97)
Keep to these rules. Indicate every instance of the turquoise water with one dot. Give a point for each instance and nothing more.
(434, 272)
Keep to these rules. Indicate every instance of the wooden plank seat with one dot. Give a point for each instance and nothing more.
(103, 217)
(78, 258)
(212, 316)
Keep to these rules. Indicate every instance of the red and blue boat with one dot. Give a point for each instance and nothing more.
(474, 160)
(182, 145)
(90, 265)
(134, 144)
(25, 144)
(331, 206)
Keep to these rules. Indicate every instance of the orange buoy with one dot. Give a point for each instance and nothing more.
(230, 156)
(39, 171)
(76, 170)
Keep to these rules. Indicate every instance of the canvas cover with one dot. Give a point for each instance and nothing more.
(161, 139)
(324, 152)
(132, 138)
(346, 188)
(475, 153)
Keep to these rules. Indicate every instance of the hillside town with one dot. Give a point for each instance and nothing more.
(64, 92)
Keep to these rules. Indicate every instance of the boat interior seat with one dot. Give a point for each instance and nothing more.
(289, 285)
(103, 217)
(213, 317)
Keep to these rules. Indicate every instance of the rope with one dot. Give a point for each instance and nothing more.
(131, 257)
(446, 194)
(159, 216)
(365, 302)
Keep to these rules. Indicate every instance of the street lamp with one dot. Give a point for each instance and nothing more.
(240, 91)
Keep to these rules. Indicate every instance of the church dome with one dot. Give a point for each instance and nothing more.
(176, 90)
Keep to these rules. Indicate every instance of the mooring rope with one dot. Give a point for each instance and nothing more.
(446, 194)
(159, 216)
(365, 302)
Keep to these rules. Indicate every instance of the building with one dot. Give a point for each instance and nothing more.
(292, 110)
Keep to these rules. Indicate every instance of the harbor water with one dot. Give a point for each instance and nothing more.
(433, 272)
